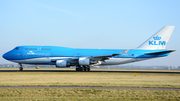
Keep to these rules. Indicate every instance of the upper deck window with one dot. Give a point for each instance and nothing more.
(45, 48)
(30, 48)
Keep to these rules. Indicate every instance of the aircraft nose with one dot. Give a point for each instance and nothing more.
(5, 56)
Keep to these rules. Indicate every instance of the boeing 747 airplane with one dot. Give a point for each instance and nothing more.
(83, 59)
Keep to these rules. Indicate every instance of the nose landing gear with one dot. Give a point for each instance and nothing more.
(20, 68)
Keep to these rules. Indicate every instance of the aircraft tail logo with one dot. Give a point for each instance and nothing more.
(158, 40)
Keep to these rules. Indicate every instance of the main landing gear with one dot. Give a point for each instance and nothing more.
(20, 68)
(83, 69)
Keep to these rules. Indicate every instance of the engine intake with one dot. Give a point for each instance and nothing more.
(62, 63)
(86, 61)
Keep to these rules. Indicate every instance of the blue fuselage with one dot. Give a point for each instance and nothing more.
(34, 52)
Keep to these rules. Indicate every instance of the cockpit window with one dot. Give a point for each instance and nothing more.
(16, 48)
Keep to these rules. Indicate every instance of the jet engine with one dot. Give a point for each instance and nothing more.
(86, 61)
(62, 63)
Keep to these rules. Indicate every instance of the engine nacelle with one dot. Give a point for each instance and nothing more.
(84, 61)
(62, 63)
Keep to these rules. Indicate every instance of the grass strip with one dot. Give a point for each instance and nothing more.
(65, 94)
(87, 79)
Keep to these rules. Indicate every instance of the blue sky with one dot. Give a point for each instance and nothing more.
(106, 24)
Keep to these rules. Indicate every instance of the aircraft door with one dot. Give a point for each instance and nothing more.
(39, 49)
(47, 55)
(24, 55)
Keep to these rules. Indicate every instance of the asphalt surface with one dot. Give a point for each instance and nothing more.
(99, 88)
(124, 71)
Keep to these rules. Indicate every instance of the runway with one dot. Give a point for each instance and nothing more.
(104, 71)
(132, 88)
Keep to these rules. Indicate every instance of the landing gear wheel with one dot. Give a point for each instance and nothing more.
(82, 69)
(21, 68)
(77, 69)
(88, 69)
(85, 68)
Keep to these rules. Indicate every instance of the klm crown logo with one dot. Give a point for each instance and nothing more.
(157, 38)
(157, 41)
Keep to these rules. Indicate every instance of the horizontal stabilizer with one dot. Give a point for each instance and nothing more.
(158, 53)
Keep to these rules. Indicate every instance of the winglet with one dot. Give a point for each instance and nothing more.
(124, 52)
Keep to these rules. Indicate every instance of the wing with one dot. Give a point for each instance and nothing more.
(110, 55)
(95, 58)
(106, 57)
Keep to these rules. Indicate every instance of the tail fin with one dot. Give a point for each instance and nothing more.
(158, 40)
